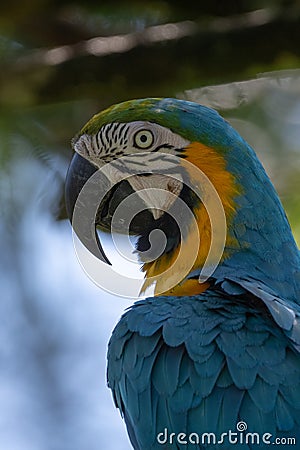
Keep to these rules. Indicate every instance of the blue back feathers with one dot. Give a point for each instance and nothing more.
(201, 365)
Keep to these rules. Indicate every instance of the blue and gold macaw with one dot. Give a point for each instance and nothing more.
(199, 364)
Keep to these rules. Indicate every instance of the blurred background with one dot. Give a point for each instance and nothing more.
(61, 62)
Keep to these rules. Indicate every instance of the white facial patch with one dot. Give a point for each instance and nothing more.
(117, 140)
(147, 152)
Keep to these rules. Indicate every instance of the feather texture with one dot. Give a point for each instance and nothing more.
(204, 377)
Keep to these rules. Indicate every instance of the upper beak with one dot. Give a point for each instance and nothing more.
(79, 172)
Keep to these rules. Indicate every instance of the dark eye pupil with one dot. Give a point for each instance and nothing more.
(143, 138)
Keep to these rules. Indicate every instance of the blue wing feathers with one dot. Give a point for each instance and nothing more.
(132, 406)
(263, 395)
(250, 338)
(211, 366)
(203, 386)
(174, 336)
(272, 352)
(232, 400)
(257, 420)
(227, 343)
(166, 382)
(291, 394)
(182, 398)
(225, 379)
(243, 377)
(284, 418)
(202, 366)
(197, 352)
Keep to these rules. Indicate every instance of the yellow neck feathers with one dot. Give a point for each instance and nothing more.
(166, 271)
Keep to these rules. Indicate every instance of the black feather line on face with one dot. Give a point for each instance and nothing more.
(111, 137)
(98, 140)
(107, 129)
(101, 140)
(115, 127)
(161, 146)
(122, 128)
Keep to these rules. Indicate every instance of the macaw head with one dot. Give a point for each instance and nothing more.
(191, 188)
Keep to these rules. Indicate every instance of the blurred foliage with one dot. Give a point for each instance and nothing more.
(225, 41)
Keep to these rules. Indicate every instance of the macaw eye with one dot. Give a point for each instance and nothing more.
(143, 139)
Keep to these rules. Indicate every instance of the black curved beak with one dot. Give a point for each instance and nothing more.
(81, 209)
